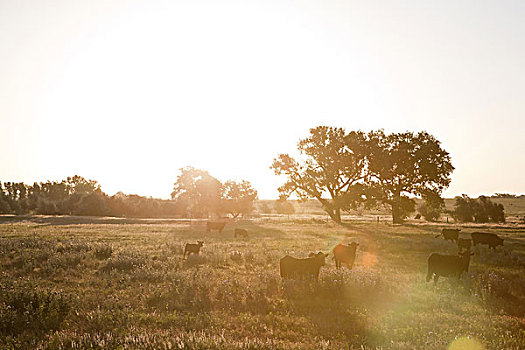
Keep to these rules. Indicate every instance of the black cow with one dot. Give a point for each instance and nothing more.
(240, 232)
(215, 225)
(464, 243)
(292, 267)
(194, 248)
(450, 234)
(345, 254)
(448, 265)
(490, 239)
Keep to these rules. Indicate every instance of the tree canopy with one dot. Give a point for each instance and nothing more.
(358, 168)
(401, 164)
(202, 194)
(333, 164)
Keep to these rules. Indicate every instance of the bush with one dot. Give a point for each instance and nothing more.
(31, 312)
(432, 207)
(103, 251)
(479, 210)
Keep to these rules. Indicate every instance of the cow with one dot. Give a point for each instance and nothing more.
(448, 265)
(291, 267)
(345, 254)
(240, 232)
(194, 248)
(490, 239)
(464, 243)
(450, 234)
(215, 225)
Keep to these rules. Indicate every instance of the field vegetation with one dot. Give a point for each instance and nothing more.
(71, 285)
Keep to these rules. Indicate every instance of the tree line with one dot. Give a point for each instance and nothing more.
(342, 170)
(196, 194)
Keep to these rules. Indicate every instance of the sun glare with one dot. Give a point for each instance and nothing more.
(466, 343)
(369, 259)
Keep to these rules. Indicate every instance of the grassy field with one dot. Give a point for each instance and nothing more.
(107, 285)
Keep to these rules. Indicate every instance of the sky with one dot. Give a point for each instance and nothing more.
(128, 92)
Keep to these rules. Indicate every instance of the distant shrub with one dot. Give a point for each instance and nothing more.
(265, 208)
(432, 207)
(479, 210)
(103, 251)
(124, 263)
(5, 208)
(282, 206)
(406, 206)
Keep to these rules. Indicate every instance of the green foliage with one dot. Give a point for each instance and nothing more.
(364, 169)
(333, 166)
(238, 198)
(407, 163)
(432, 207)
(479, 210)
(198, 191)
(201, 194)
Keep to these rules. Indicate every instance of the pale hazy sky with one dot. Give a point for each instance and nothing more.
(127, 92)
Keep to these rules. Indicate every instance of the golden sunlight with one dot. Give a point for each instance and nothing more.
(466, 343)
(369, 259)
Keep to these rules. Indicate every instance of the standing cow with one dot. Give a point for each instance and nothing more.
(194, 248)
(450, 234)
(240, 232)
(448, 265)
(215, 225)
(291, 267)
(490, 239)
(345, 254)
(464, 244)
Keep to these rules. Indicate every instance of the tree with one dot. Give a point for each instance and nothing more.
(283, 206)
(238, 197)
(198, 191)
(432, 207)
(400, 164)
(479, 210)
(333, 165)
(93, 204)
(464, 208)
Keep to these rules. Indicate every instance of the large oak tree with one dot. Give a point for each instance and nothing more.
(343, 171)
(402, 164)
(332, 165)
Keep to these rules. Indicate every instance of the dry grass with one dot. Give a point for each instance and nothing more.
(126, 286)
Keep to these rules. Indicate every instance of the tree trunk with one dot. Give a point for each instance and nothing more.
(397, 215)
(335, 214)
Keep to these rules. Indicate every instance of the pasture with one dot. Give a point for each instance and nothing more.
(69, 284)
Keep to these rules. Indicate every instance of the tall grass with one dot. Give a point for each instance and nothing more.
(128, 287)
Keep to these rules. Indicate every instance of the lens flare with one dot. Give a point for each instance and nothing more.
(369, 259)
(466, 343)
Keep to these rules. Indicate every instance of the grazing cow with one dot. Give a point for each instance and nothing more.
(215, 225)
(240, 232)
(490, 239)
(345, 254)
(450, 234)
(194, 248)
(448, 265)
(464, 243)
(292, 267)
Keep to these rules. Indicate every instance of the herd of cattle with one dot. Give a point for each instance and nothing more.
(438, 264)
